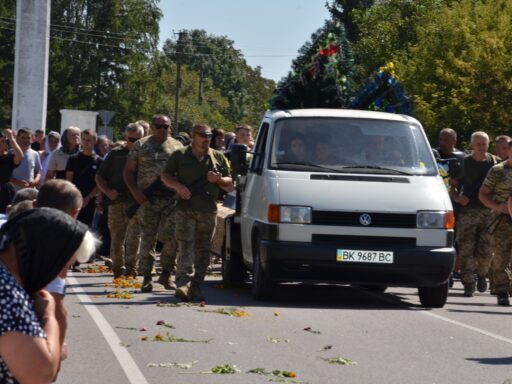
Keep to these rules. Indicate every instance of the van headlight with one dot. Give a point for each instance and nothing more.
(289, 214)
(436, 219)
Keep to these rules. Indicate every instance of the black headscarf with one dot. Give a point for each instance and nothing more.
(44, 240)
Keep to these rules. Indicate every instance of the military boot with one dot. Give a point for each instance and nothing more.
(195, 294)
(147, 284)
(503, 299)
(469, 289)
(165, 280)
(182, 293)
(130, 271)
(481, 284)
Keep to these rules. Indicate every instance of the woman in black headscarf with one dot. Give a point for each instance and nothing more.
(35, 247)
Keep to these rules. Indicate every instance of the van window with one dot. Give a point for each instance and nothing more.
(259, 149)
(351, 145)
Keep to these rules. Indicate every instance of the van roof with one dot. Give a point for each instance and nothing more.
(350, 113)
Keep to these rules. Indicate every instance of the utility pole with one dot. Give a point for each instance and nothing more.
(181, 37)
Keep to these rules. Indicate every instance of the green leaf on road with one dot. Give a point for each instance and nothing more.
(170, 338)
(339, 360)
(232, 312)
(276, 340)
(225, 369)
(187, 365)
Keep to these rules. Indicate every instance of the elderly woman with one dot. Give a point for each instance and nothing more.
(70, 141)
(51, 143)
(35, 246)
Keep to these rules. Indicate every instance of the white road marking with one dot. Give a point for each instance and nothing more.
(126, 361)
(439, 317)
(463, 325)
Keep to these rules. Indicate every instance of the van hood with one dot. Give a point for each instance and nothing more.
(363, 192)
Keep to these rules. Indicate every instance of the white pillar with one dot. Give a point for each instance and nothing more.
(77, 118)
(31, 64)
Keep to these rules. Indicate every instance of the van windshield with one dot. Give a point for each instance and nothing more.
(349, 145)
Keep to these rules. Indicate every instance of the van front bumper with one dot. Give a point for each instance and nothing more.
(311, 262)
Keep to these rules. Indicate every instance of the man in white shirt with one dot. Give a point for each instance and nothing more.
(28, 173)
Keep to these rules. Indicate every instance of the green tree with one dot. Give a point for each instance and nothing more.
(343, 10)
(459, 70)
(219, 61)
(387, 30)
(95, 48)
(7, 35)
(322, 73)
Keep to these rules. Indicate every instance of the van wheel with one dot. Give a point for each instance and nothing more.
(233, 270)
(433, 297)
(262, 286)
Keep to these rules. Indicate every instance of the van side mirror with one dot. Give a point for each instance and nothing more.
(238, 157)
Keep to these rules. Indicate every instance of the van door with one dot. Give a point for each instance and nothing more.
(253, 208)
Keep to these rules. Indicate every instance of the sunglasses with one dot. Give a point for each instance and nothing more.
(132, 139)
(161, 126)
(204, 135)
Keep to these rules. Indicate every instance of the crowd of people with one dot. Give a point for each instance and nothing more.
(148, 188)
(156, 193)
(480, 187)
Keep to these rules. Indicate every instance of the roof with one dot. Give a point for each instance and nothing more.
(346, 113)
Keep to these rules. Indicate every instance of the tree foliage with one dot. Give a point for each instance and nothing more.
(321, 75)
(460, 70)
(104, 55)
(219, 61)
(7, 35)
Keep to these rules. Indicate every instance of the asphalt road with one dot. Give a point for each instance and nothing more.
(381, 338)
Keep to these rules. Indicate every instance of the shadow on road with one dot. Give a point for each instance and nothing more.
(492, 360)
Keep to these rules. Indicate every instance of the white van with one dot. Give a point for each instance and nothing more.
(341, 196)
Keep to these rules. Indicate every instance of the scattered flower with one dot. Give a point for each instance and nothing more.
(232, 312)
(309, 329)
(170, 338)
(187, 365)
(276, 314)
(276, 340)
(275, 372)
(339, 360)
(225, 369)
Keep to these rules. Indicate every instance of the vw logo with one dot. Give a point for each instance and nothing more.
(365, 219)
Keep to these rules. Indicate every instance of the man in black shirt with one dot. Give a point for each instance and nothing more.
(8, 161)
(81, 171)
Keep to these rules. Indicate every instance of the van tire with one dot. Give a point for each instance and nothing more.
(433, 297)
(233, 270)
(262, 286)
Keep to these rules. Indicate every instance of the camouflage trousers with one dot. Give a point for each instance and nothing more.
(501, 243)
(124, 238)
(473, 240)
(194, 233)
(157, 217)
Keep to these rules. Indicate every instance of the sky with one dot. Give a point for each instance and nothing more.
(267, 32)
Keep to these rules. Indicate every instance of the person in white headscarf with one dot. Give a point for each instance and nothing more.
(51, 143)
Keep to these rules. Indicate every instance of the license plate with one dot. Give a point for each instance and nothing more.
(361, 256)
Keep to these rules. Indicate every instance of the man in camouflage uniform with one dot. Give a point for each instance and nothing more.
(196, 172)
(495, 194)
(473, 219)
(124, 232)
(143, 167)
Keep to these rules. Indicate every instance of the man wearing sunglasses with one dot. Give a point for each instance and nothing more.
(145, 163)
(124, 232)
(197, 173)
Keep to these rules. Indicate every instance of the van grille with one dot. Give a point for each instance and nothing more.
(351, 219)
(365, 241)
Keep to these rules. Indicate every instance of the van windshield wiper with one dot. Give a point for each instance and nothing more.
(315, 166)
(378, 167)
